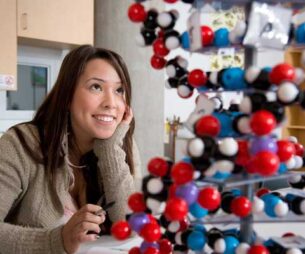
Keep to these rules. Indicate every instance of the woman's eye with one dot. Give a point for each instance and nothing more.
(120, 90)
(96, 87)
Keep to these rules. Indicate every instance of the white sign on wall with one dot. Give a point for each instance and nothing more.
(7, 82)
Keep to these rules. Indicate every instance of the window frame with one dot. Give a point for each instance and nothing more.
(31, 56)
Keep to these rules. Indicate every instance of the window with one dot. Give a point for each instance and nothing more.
(37, 69)
(33, 89)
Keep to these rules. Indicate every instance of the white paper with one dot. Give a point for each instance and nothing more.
(108, 245)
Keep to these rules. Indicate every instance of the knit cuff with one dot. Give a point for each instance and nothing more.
(116, 138)
(57, 245)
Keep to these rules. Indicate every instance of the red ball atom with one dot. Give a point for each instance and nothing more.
(151, 232)
(207, 36)
(134, 250)
(152, 219)
(243, 155)
(137, 13)
(299, 149)
(288, 234)
(209, 198)
(260, 192)
(158, 166)
(170, 1)
(241, 206)
(258, 249)
(262, 122)
(207, 126)
(183, 224)
(182, 172)
(172, 190)
(165, 246)
(136, 202)
(197, 78)
(159, 47)
(151, 250)
(265, 163)
(157, 62)
(285, 150)
(282, 72)
(176, 209)
(120, 230)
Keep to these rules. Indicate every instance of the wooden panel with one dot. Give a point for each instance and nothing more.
(295, 125)
(8, 49)
(64, 21)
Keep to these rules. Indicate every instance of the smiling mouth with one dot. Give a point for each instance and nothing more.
(107, 119)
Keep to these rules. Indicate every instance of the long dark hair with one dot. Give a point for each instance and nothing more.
(51, 117)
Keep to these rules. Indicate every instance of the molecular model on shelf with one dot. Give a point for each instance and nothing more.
(183, 205)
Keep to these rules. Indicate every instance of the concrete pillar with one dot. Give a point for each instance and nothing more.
(113, 30)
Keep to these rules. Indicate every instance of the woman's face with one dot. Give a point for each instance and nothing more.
(98, 104)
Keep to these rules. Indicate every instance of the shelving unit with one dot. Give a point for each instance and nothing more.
(295, 115)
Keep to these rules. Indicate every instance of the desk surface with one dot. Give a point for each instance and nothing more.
(108, 245)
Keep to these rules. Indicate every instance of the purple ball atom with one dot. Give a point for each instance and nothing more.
(137, 221)
(259, 144)
(145, 245)
(189, 192)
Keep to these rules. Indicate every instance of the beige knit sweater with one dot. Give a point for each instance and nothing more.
(30, 213)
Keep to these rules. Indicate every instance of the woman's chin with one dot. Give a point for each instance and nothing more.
(104, 135)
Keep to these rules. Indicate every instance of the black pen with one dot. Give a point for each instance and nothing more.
(104, 208)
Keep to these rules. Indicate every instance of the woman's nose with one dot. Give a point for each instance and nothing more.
(109, 100)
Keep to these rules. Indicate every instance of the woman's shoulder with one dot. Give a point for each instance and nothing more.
(22, 133)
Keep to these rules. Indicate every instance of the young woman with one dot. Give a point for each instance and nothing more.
(78, 147)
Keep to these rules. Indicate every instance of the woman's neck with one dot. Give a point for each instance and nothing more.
(80, 147)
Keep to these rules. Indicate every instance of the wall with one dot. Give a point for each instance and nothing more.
(113, 30)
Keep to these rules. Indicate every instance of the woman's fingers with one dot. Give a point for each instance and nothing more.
(84, 227)
(89, 208)
(75, 231)
(91, 217)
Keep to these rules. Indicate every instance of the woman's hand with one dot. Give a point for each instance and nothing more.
(75, 230)
(128, 115)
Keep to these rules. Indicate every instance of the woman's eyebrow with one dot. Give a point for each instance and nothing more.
(102, 80)
(98, 79)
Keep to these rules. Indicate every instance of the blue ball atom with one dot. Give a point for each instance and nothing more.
(282, 168)
(185, 40)
(197, 210)
(270, 201)
(300, 33)
(196, 241)
(267, 69)
(226, 123)
(221, 37)
(231, 244)
(200, 227)
(221, 175)
(187, 159)
(236, 192)
(233, 79)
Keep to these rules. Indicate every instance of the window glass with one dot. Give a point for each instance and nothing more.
(32, 88)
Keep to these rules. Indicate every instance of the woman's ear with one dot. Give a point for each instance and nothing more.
(128, 115)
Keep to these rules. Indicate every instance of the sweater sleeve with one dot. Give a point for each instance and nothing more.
(137, 166)
(118, 183)
(14, 180)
